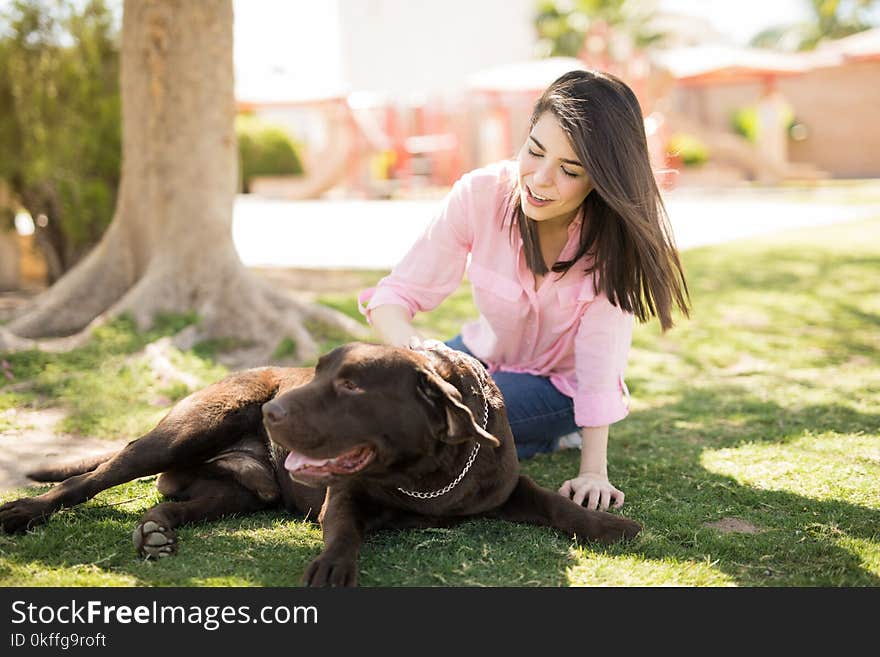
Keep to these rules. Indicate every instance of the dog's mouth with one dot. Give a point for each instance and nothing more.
(347, 463)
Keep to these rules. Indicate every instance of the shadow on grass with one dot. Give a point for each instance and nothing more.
(658, 460)
(262, 549)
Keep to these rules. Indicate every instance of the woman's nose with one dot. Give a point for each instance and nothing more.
(543, 176)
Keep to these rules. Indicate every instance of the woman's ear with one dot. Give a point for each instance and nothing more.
(451, 421)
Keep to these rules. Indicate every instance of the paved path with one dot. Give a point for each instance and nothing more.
(376, 234)
(36, 440)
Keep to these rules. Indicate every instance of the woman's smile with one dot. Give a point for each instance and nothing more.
(536, 199)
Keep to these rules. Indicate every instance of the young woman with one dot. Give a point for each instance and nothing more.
(568, 243)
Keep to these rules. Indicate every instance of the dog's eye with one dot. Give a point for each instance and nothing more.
(347, 385)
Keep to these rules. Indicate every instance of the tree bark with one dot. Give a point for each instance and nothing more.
(169, 247)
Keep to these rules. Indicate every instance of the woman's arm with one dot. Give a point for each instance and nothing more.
(594, 450)
(601, 349)
(591, 487)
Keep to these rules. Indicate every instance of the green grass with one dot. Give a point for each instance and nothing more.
(763, 407)
(107, 387)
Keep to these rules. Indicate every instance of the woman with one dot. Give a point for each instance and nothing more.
(568, 244)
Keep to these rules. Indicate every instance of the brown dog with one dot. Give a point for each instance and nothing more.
(374, 436)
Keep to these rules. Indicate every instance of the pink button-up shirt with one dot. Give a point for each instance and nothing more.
(565, 330)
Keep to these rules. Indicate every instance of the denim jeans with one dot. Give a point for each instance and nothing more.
(539, 414)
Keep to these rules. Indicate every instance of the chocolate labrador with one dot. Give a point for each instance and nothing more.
(374, 436)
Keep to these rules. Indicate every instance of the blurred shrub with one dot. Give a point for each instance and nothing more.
(7, 208)
(744, 122)
(688, 148)
(7, 219)
(60, 114)
(264, 150)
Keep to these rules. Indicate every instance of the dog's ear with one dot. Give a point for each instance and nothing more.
(451, 421)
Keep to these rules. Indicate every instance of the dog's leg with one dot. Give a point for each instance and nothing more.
(205, 499)
(146, 456)
(196, 428)
(60, 472)
(343, 534)
(535, 505)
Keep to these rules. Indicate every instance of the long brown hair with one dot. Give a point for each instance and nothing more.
(625, 229)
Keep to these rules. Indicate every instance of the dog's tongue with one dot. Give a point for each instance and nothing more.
(296, 461)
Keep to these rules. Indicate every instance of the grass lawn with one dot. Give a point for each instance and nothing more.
(760, 414)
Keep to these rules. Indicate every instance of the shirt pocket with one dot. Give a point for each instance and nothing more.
(496, 297)
(572, 299)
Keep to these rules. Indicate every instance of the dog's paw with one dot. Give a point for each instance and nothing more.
(20, 515)
(330, 571)
(631, 529)
(154, 541)
(611, 528)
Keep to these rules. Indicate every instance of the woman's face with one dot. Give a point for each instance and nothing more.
(553, 183)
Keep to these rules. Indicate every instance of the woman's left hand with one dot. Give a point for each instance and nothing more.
(593, 491)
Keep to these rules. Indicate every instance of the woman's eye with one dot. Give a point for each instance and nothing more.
(534, 154)
(568, 173)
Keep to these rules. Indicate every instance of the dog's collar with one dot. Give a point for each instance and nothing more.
(448, 487)
(482, 392)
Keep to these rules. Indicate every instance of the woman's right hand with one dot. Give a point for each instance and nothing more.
(393, 326)
(593, 491)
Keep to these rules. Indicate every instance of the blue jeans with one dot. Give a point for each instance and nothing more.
(539, 414)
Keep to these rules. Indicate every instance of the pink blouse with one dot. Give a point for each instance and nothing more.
(565, 330)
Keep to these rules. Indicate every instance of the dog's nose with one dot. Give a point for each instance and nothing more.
(273, 412)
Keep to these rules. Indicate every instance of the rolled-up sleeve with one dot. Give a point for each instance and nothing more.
(434, 266)
(602, 348)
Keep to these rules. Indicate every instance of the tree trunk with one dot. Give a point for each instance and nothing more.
(169, 247)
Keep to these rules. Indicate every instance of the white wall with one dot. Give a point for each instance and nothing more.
(412, 47)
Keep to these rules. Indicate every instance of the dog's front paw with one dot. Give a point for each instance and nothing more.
(154, 541)
(326, 570)
(22, 514)
(609, 528)
(630, 529)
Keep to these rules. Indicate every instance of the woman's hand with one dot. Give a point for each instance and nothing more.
(593, 491)
(393, 326)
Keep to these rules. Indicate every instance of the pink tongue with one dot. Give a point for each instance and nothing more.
(295, 461)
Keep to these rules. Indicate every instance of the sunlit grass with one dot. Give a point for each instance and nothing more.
(828, 467)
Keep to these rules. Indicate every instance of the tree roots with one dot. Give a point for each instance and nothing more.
(235, 308)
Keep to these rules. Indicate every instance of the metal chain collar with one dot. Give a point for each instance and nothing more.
(448, 487)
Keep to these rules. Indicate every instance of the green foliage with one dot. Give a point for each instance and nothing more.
(562, 25)
(829, 19)
(285, 349)
(744, 122)
(170, 323)
(60, 136)
(264, 150)
(690, 149)
(209, 349)
(7, 219)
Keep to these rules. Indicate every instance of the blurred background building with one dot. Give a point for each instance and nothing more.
(396, 99)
